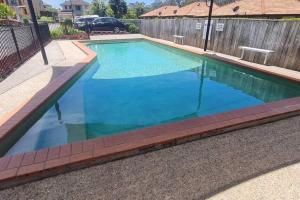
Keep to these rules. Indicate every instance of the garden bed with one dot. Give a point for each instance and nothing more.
(79, 36)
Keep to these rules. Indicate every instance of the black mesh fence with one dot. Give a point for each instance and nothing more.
(17, 44)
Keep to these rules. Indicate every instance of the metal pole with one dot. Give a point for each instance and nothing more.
(37, 30)
(16, 44)
(208, 24)
(87, 29)
(33, 40)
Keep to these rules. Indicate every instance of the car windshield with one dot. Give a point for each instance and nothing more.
(79, 20)
(90, 19)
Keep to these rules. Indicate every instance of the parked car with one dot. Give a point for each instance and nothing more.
(107, 24)
(82, 22)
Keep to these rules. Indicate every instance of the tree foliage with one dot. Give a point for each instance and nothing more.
(119, 7)
(138, 7)
(6, 11)
(131, 14)
(157, 4)
(98, 8)
(109, 12)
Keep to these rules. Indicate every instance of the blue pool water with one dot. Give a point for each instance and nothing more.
(138, 84)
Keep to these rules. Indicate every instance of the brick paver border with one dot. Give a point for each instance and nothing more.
(35, 165)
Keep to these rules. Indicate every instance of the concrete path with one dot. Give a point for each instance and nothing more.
(33, 75)
(255, 163)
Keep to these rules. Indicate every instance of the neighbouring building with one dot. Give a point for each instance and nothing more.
(44, 6)
(241, 8)
(199, 9)
(260, 8)
(164, 11)
(21, 7)
(72, 8)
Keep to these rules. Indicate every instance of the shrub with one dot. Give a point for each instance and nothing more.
(132, 28)
(6, 11)
(46, 19)
(64, 30)
(25, 20)
(56, 33)
(73, 31)
(68, 22)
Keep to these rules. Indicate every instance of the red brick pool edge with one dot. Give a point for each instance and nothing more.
(35, 165)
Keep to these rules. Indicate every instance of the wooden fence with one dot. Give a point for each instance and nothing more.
(283, 37)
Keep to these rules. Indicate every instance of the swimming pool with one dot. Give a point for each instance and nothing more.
(136, 84)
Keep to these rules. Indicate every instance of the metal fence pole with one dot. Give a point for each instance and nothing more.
(16, 43)
(208, 23)
(37, 30)
(33, 37)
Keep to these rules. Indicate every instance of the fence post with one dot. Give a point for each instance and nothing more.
(16, 43)
(37, 31)
(33, 37)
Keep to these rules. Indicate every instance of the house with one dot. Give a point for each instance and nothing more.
(45, 6)
(21, 7)
(241, 8)
(72, 8)
(260, 8)
(164, 11)
(196, 9)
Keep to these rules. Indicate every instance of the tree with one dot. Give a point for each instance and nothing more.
(109, 12)
(98, 8)
(119, 7)
(157, 4)
(179, 3)
(138, 7)
(6, 11)
(131, 14)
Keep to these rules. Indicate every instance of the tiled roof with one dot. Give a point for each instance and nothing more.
(195, 9)
(240, 8)
(281, 7)
(163, 11)
(259, 7)
(74, 2)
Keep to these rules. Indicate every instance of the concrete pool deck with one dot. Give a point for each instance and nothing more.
(33, 75)
(262, 162)
(181, 145)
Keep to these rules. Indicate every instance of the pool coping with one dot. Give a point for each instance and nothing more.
(35, 165)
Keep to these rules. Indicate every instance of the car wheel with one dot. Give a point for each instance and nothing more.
(116, 30)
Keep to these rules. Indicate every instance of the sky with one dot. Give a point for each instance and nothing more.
(56, 3)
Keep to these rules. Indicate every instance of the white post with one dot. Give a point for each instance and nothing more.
(266, 57)
(243, 51)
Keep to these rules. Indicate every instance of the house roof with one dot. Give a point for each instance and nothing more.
(195, 9)
(259, 7)
(238, 8)
(281, 7)
(75, 2)
(163, 11)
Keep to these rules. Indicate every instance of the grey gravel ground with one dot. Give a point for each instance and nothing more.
(195, 170)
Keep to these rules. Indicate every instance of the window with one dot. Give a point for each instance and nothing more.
(90, 19)
(77, 7)
(106, 20)
(98, 21)
(66, 7)
(112, 20)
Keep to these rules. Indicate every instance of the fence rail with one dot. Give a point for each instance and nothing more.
(17, 44)
(283, 37)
